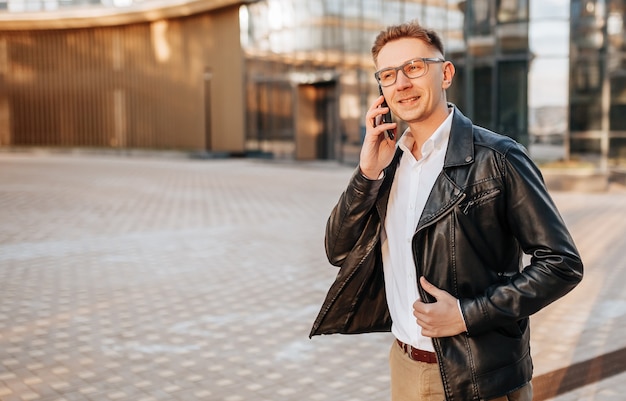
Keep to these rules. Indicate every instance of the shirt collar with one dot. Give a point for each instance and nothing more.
(437, 140)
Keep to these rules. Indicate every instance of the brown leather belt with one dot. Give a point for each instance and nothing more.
(418, 354)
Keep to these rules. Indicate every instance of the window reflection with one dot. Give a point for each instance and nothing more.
(587, 24)
(617, 113)
(525, 68)
(548, 106)
(512, 99)
(615, 25)
(553, 9)
(513, 37)
(512, 10)
(585, 114)
(479, 17)
(482, 99)
(587, 76)
(617, 148)
(586, 146)
(549, 38)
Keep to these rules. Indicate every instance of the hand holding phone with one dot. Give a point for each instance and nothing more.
(385, 118)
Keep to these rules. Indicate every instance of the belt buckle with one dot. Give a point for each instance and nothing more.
(407, 348)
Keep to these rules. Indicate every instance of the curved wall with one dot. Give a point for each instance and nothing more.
(148, 79)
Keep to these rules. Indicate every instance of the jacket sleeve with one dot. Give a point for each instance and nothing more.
(555, 266)
(349, 217)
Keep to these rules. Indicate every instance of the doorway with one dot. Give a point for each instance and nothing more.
(317, 121)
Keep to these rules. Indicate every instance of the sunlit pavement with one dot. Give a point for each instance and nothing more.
(174, 279)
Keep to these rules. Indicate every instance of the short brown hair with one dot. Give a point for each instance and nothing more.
(406, 30)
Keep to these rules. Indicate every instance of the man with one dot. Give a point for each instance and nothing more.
(429, 237)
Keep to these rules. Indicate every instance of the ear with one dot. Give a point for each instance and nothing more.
(448, 74)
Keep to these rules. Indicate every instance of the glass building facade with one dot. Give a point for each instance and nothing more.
(294, 78)
(550, 74)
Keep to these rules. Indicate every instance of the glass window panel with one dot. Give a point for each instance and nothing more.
(513, 37)
(615, 25)
(586, 75)
(548, 87)
(416, 11)
(456, 92)
(512, 10)
(552, 9)
(436, 17)
(586, 88)
(615, 30)
(454, 38)
(587, 23)
(585, 146)
(587, 8)
(617, 150)
(393, 13)
(549, 38)
(482, 99)
(372, 9)
(548, 82)
(617, 115)
(479, 18)
(275, 115)
(586, 115)
(512, 100)
(313, 8)
(333, 7)
(351, 39)
(547, 128)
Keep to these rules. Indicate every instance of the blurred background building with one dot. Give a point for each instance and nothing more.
(293, 78)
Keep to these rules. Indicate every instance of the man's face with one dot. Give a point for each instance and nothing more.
(416, 100)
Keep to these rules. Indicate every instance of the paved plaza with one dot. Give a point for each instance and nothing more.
(167, 278)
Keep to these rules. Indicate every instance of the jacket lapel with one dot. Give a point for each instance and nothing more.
(447, 193)
(385, 190)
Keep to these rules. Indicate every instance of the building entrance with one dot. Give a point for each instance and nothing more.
(316, 121)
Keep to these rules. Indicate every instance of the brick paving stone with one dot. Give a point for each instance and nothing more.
(172, 279)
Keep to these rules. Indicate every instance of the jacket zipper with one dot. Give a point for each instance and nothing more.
(421, 291)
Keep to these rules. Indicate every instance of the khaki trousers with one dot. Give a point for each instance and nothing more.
(421, 381)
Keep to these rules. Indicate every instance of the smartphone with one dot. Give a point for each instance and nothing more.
(386, 118)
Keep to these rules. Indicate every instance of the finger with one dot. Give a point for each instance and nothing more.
(375, 113)
(419, 307)
(431, 289)
(376, 105)
(377, 134)
(379, 100)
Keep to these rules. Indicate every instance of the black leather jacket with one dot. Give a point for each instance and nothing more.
(488, 206)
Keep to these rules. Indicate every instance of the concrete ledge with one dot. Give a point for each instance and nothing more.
(577, 180)
(133, 152)
(618, 177)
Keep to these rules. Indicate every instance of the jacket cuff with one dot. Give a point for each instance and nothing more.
(364, 185)
(380, 176)
(473, 314)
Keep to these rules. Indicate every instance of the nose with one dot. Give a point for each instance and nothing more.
(402, 81)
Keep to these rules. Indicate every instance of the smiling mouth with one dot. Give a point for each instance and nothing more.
(409, 100)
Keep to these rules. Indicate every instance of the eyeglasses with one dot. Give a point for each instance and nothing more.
(411, 69)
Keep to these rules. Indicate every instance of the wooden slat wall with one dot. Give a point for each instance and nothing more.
(132, 86)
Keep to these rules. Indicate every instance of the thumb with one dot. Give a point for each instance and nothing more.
(429, 288)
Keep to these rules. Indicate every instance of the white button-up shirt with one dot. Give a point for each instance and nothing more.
(411, 187)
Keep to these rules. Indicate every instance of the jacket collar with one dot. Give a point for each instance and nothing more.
(460, 152)
(461, 145)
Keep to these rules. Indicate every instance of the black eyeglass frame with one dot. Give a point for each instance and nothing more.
(425, 60)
